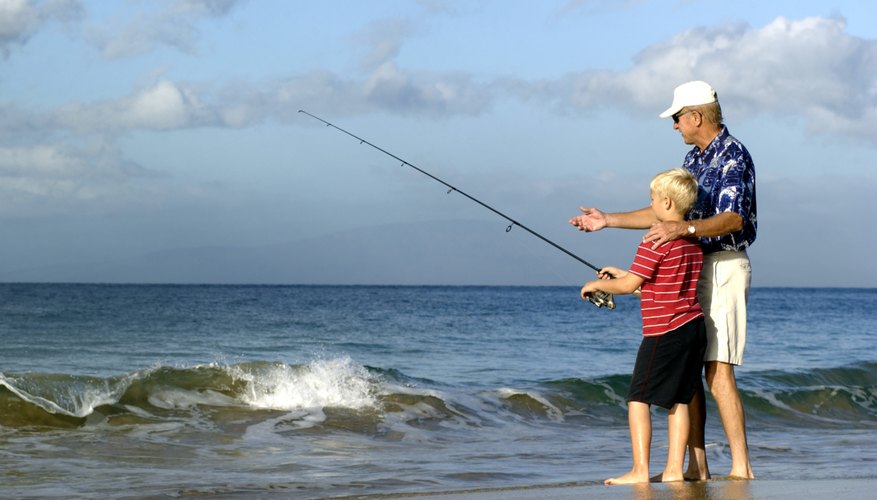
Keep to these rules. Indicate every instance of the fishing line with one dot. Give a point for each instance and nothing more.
(599, 299)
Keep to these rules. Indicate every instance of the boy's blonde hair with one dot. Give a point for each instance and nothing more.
(679, 185)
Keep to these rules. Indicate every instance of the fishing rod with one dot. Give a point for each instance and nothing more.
(598, 298)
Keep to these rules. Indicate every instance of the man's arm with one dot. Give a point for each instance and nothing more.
(717, 225)
(593, 219)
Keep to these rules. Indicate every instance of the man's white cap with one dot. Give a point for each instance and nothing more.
(690, 94)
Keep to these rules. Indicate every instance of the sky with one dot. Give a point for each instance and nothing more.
(161, 141)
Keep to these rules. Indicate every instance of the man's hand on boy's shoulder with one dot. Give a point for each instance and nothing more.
(662, 232)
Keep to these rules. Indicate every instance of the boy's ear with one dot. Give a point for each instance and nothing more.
(668, 203)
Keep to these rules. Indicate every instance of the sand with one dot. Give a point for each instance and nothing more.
(835, 489)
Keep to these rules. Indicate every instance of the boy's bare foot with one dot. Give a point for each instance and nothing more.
(696, 475)
(629, 478)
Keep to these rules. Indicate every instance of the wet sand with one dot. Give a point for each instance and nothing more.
(836, 489)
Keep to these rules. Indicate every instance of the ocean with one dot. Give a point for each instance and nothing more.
(124, 391)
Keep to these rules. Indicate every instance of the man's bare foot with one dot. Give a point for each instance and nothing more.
(744, 472)
(734, 477)
(629, 478)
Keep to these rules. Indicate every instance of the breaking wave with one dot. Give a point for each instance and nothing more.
(339, 393)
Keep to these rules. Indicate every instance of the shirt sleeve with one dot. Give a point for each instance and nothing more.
(645, 262)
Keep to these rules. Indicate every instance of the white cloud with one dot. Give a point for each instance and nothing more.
(591, 6)
(175, 26)
(21, 19)
(382, 41)
(390, 87)
(168, 105)
(38, 161)
(162, 106)
(54, 162)
(809, 68)
(52, 178)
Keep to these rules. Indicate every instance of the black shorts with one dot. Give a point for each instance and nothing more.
(668, 367)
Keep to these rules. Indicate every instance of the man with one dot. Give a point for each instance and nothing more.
(724, 222)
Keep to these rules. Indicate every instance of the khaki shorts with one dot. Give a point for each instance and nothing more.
(722, 290)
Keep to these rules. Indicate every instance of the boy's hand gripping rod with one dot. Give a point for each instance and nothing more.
(598, 298)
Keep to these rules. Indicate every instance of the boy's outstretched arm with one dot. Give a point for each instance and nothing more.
(618, 282)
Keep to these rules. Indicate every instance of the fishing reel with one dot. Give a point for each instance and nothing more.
(602, 299)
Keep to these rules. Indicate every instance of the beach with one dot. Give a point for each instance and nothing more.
(854, 489)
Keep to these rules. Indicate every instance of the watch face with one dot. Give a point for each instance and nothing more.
(691, 229)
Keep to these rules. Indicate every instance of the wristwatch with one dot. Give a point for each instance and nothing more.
(691, 229)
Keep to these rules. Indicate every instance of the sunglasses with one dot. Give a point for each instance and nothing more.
(679, 114)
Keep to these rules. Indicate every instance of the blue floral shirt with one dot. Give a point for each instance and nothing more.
(726, 183)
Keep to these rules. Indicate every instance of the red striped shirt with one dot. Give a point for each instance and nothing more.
(669, 293)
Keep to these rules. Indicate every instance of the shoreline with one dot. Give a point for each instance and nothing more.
(836, 489)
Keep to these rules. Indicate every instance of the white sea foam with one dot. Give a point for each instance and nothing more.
(335, 382)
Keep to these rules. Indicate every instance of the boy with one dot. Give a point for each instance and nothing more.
(670, 357)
